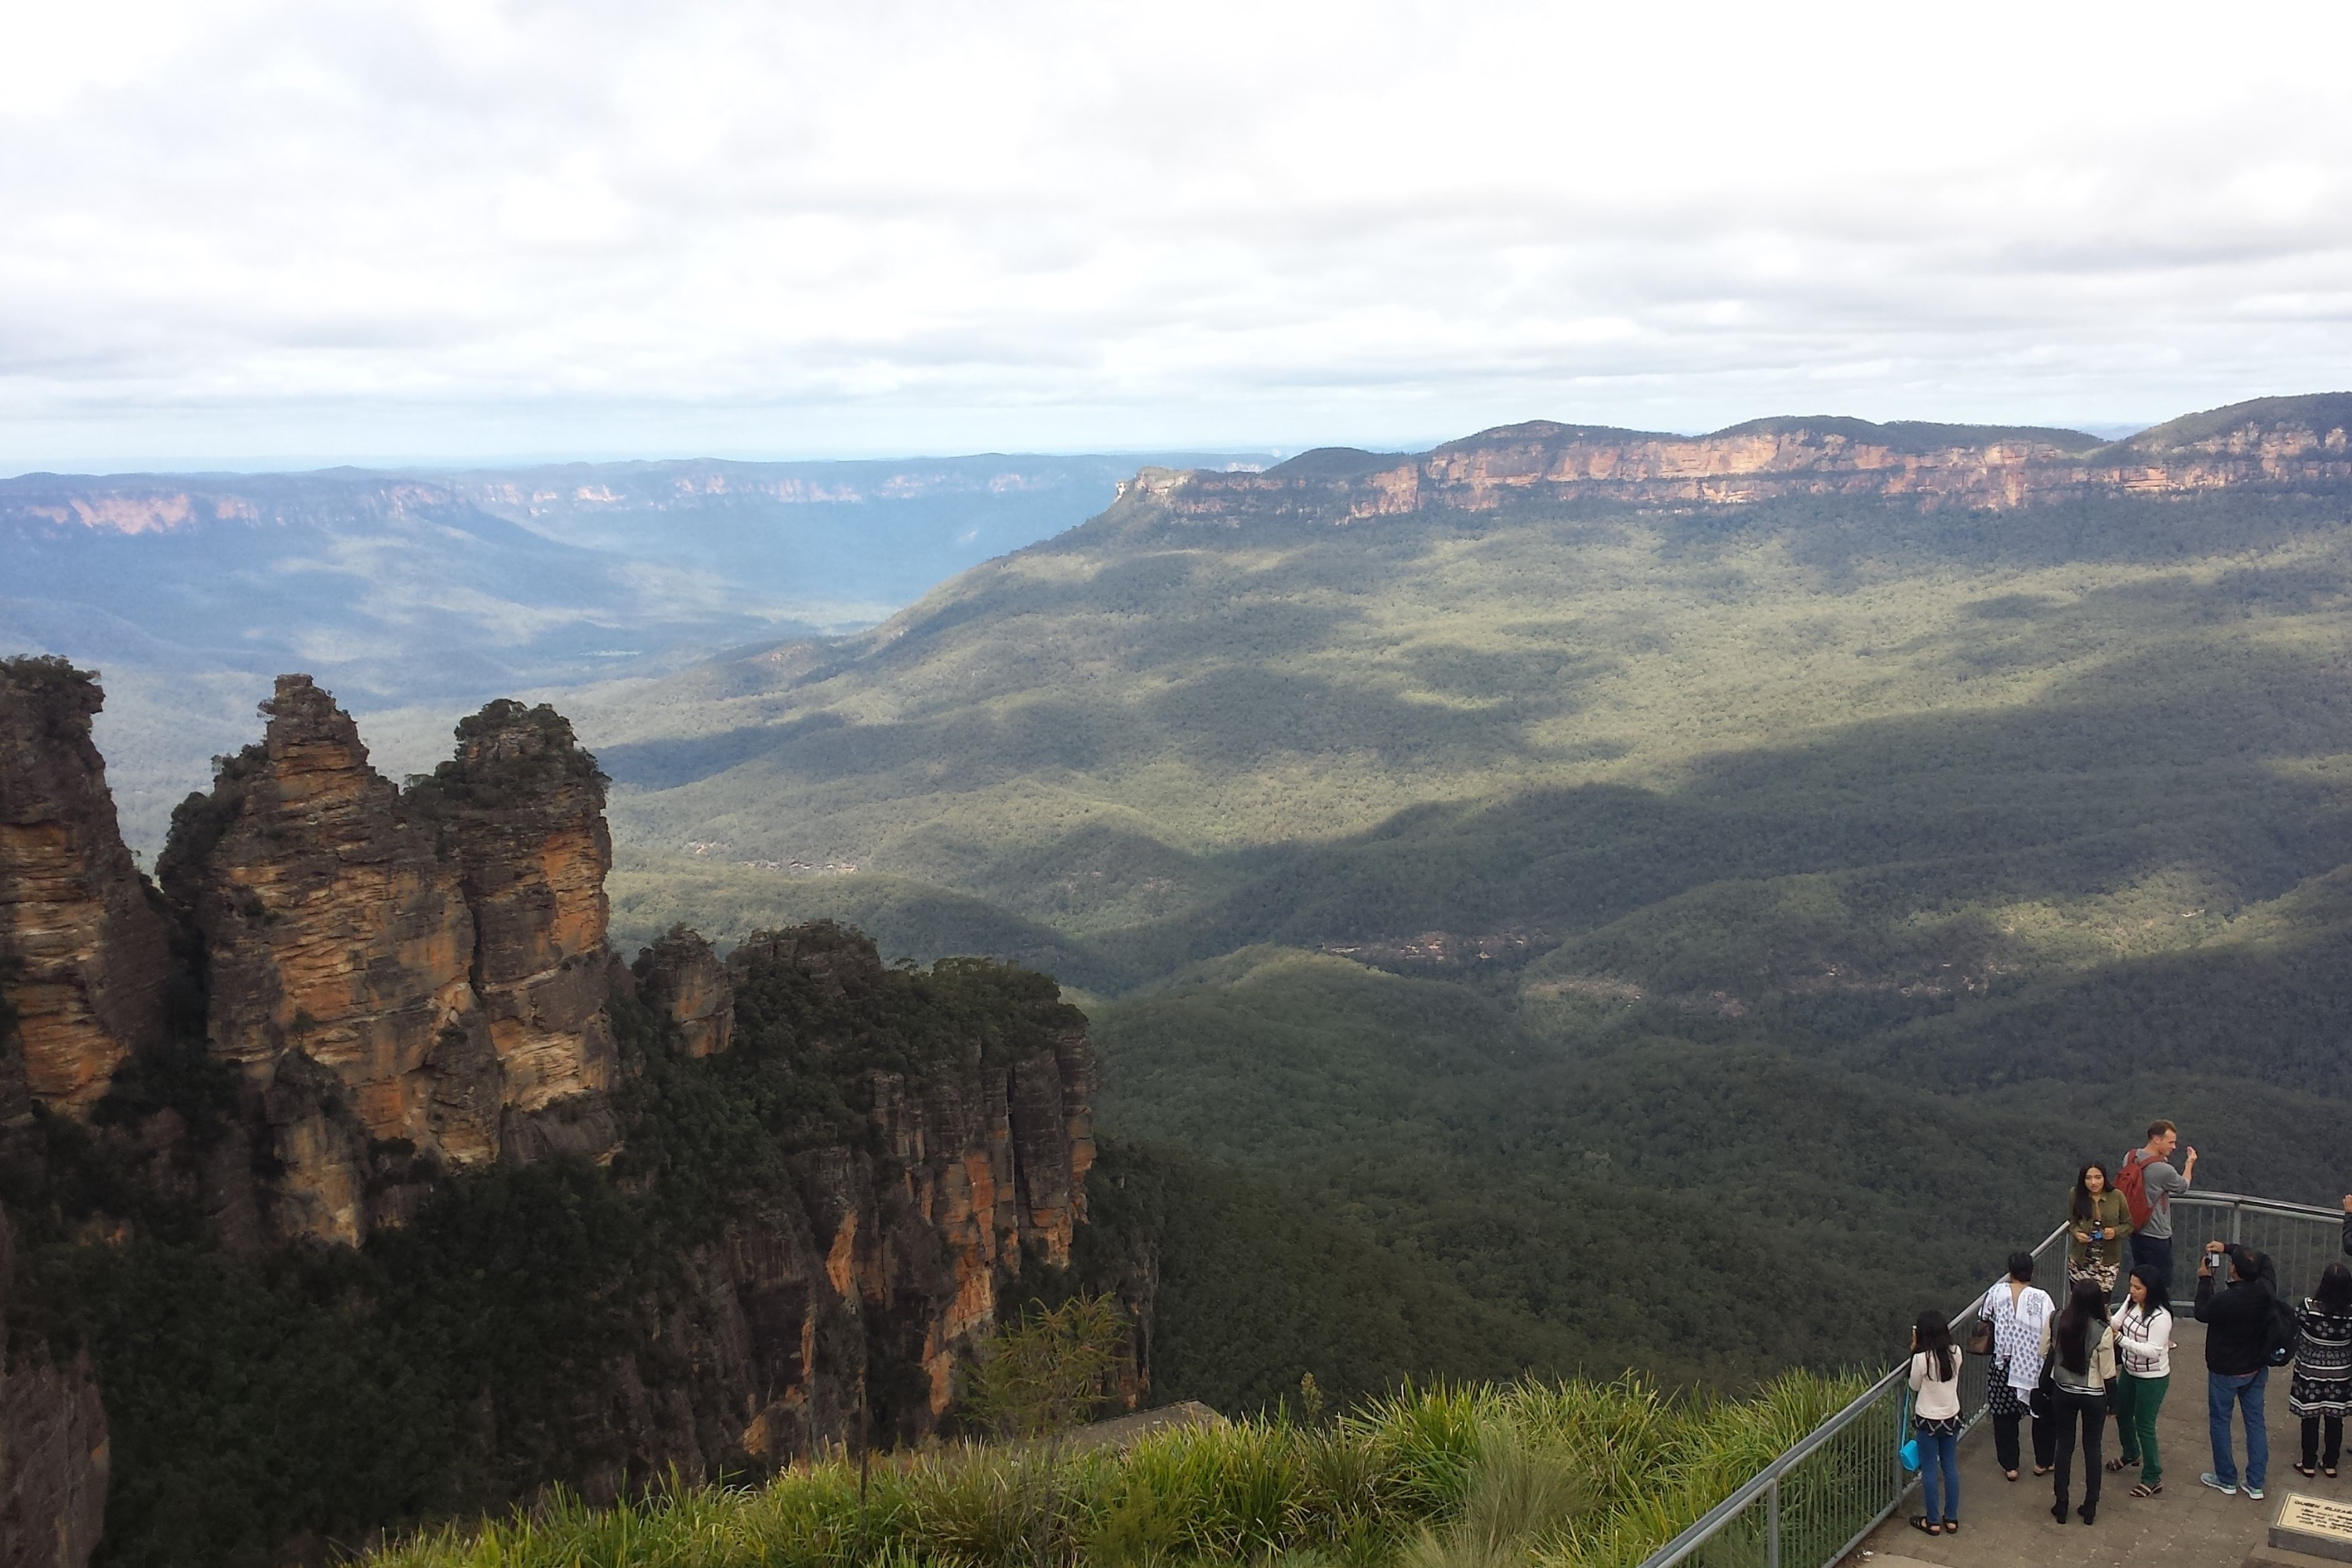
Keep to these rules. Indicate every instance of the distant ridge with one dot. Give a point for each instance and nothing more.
(2294, 444)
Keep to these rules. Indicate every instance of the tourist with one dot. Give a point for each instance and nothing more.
(2143, 1354)
(2149, 1184)
(2018, 1309)
(2098, 1220)
(2081, 1345)
(2236, 1318)
(1935, 1422)
(2322, 1389)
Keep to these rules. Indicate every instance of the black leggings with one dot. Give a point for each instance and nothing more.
(2067, 1411)
(2004, 1441)
(2311, 1424)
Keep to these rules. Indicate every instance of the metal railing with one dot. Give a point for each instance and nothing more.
(1815, 1503)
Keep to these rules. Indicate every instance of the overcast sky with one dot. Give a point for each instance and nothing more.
(415, 229)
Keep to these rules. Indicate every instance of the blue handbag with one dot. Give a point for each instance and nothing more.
(1909, 1452)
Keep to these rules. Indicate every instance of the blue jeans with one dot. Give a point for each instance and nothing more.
(1940, 1475)
(2156, 1249)
(2245, 1389)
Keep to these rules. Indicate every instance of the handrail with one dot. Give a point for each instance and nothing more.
(1766, 1482)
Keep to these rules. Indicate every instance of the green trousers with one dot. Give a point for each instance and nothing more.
(2137, 1399)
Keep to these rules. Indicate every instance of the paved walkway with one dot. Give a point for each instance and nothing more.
(2191, 1526)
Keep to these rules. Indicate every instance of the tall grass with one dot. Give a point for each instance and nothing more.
(1446, 1476)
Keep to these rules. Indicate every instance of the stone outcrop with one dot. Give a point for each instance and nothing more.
(403, 984)
(84, 947)
(2299, 443)
(682, 979)
(53, 1459)
(411, 982)
(523, 808)
(897, 1249)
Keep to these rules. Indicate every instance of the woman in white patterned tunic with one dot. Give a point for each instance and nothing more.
(2016, 1309)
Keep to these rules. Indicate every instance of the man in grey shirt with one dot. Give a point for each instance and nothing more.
(2151, 1239)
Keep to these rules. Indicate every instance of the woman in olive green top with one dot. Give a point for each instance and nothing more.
(2097, 1221)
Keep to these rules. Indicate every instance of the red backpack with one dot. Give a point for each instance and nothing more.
(2132, 1181)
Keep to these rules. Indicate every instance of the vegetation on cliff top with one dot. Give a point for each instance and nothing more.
(1407, 1479)
(277, 1406)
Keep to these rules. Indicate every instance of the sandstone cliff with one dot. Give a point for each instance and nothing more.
(828, 1175)
(54, 1455)
(839, 1301)
(2275, 443)
(405, 985)
(84, 949)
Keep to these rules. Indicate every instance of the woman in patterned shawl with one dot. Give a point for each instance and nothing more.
(2322, 1390)
(2016, 1309)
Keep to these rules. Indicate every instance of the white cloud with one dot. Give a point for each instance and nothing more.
(381, 228)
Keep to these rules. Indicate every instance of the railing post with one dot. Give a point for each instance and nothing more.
(2237, 1222)
(1773, 1526)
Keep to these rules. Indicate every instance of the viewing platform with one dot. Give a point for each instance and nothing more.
(1840, 1496)
(2191, 1526)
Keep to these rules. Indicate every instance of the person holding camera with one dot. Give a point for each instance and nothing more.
(2097, 1221)
(2018, 1311)
(2080, 1347)
(2237, 1361)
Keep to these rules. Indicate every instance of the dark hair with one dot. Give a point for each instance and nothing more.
(2335, 1288)
(2245, 1263)
(2157, 1129)
(2159, 1292)
(2020, 1268)
(2084, 1205)
(2086, 1303)
(1936, 1344)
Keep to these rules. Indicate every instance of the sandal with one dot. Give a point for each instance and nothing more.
(1919, 1522)
(2116, 1464)
(2144, 1490)
(1951, 1527)
(2328, 1470)
(2307, 1471)
(2043, 1470)
(2011, 1474)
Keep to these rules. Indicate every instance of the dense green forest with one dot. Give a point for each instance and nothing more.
(1685, 939)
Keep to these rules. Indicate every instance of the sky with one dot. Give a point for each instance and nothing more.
(243, 231)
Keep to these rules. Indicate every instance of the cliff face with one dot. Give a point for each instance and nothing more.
(54, 1455)
(2279, 442)
(897, 1245)
(834, 1171)
(86, 950)
(403, 986)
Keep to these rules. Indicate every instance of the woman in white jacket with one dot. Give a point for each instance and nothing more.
(2019, 1311)
(1935, 1422)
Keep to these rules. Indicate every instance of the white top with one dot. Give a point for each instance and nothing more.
(2017, 1331)
(2145, 1341)
(1939, 1398)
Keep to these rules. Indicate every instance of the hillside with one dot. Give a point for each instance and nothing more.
(437, 591)
(1571, 836)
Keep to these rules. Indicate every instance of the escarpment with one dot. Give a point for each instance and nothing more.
(2274, 444)
(366, 1075)
(84, 947)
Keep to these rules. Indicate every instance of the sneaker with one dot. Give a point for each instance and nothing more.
(2255, 1493)
(2227, 1489)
